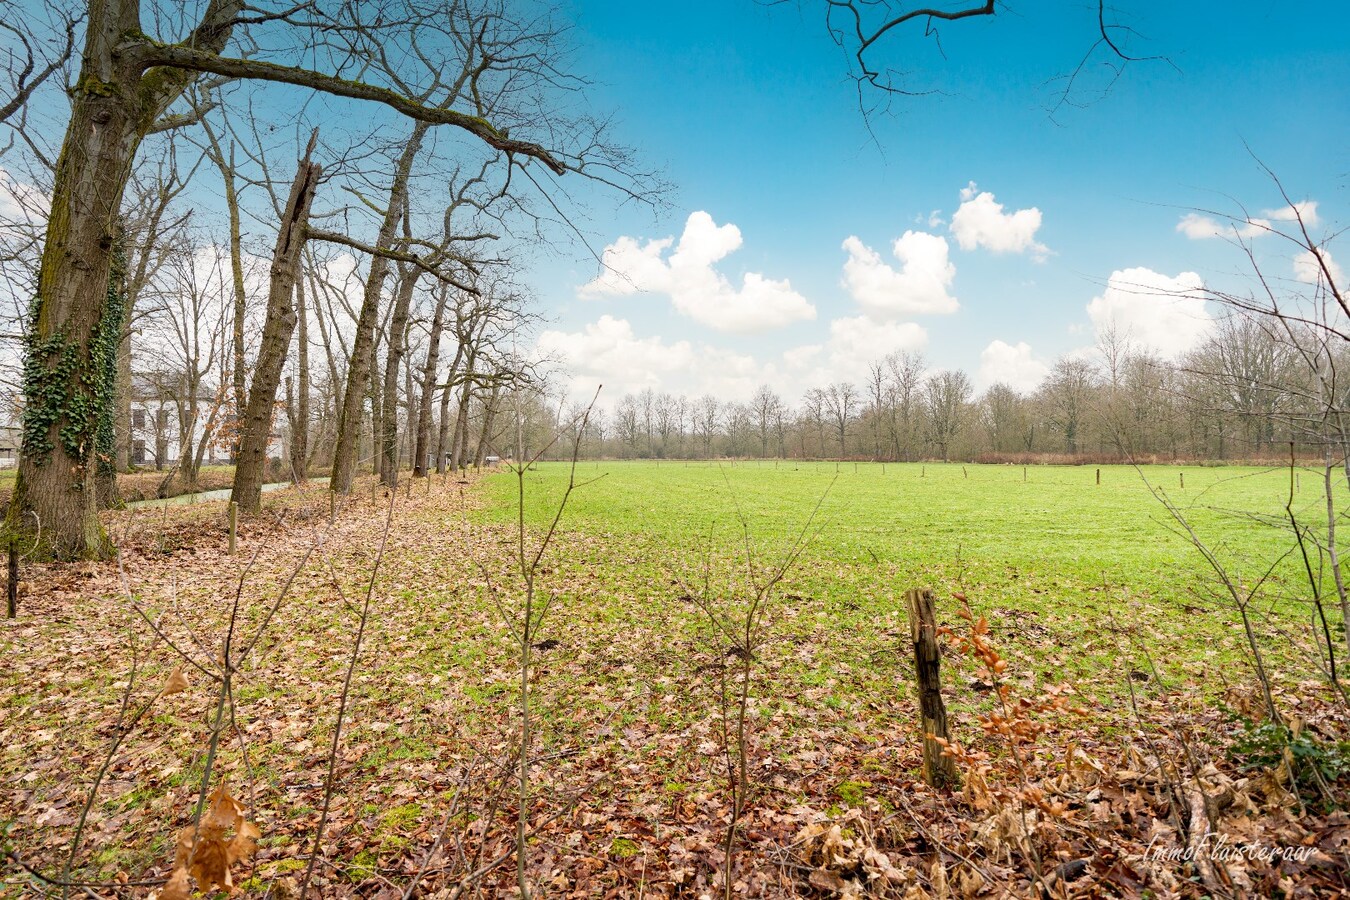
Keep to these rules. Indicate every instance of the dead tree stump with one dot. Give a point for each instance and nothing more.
(938, 770)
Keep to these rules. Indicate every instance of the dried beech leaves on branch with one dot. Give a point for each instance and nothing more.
(209, 852)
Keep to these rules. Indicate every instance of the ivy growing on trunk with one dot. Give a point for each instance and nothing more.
(57, 386)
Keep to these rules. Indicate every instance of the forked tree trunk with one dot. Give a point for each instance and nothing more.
(276, 338)
(388, 430)
(360, 365)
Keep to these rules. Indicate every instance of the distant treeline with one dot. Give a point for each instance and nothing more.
(1244, 395)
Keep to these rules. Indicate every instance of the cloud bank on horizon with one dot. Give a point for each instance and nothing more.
(881, 300)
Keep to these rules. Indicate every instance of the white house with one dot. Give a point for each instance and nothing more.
(156, 438)
(10, 438)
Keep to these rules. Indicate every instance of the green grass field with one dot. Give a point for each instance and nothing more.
(1081, 583)
(1055, 555)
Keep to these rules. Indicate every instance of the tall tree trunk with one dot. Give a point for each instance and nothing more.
(300, 427)
(461, 438)
(443, 448)
(70, 360)
(489, 416)
(398, 323)
(410, 404)
(360, 366)
(292, 418)
(422, 447)
(276, 338)
(240, 367)
(72, 329)
(376, 406)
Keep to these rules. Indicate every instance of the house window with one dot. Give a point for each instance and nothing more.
(138, 453)
(138, 418)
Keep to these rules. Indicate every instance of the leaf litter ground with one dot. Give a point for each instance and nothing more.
(629, 793)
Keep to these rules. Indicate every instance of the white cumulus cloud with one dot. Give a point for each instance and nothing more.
(854, 343)
(1308, 268)
(608, 352)
(695, 287)
(1165, 314)
(23, 208)
(1302, 209)
(920, 286)
(1013, 364)
(981, 222)
(1199, 227)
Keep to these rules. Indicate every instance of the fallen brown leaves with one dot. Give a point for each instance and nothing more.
(626, 770)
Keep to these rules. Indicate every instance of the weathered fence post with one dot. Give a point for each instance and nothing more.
(938, 770)
(12, 585)
(234, 524)
(1099, 476)
(1182, 476)
(1024, 474)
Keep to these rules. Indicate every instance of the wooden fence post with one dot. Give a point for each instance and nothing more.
(938, 770)
(1099, 476)
(1182, 476)
(234, 524)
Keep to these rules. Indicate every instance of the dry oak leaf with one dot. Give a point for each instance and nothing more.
(176, 888)
(209, 863)
(176, 684)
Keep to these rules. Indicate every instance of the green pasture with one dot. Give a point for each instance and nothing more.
(1085, 573)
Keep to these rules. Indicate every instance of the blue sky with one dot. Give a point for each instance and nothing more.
(752, 115)
(1022, 232)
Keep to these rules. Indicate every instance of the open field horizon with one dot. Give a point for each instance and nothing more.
(1050, 542)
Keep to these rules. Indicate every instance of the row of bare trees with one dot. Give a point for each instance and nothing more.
(1246, 392)
(158, 239)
